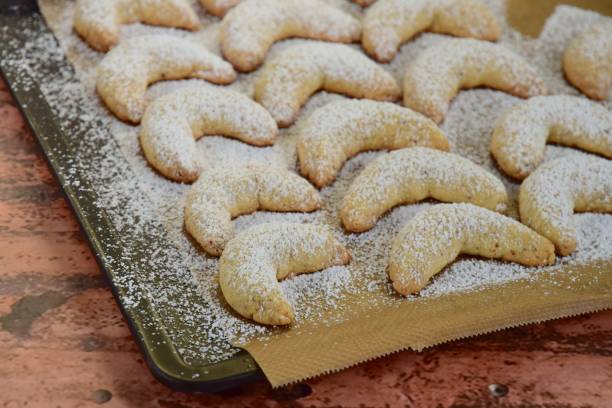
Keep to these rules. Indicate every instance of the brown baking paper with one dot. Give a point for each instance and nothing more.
(419, 323)
(376, 322)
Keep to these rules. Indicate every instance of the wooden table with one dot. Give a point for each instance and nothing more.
(64, 343)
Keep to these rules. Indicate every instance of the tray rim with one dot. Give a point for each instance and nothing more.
(162, 359)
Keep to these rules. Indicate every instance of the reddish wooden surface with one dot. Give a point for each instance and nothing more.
(63, 342)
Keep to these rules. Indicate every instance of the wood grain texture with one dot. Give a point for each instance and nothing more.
(63, 341)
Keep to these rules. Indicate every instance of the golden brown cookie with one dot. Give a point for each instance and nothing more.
(219, 7)
(520, 137)
(434, 77)
(127, 70)
(434, 237)
(99, 21)
(409, 175)
(254, 261)
(390, 23)
(339, 130)
(250, 29)
(289, 79)
(588, 61)
(364, 3)
(223, 194)
(551, 194)
(173, 122)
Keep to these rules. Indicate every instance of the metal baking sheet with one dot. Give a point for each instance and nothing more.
(19, 21)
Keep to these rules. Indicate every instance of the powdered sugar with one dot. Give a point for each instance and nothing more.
(413, 174)
(434, 238)
(252, 263)
(558, 33)
(389, 23)
(597, 47)
(342, 129)
(290, 77)
(248, 31)
(587, 60)
(143, 197)
(442, 69)
(173, 122)
(126, 71)
(521, 134)
(229, 191)
(98, 21)
(551, 193)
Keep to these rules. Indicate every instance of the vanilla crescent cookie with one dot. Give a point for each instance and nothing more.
(436, 74)
(587, 61)
(222, 194)
(434, 237)
(219, 7)
(413, 174)
(339, 130)
(364, 3)
(551, 194)
(519, 139)
(288, 80)
(172, 123)
(99, 21)
(256, 259)
(390, 23)
(250, 29)
(127, 70)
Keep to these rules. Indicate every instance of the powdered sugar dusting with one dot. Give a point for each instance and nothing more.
(143, 197)
(293, 74)
(127, 70)
(550, 195)
(227, 192)
(249, 29)
(434, 238)
(442, 69)
(412, 174)
(173, 122)
(521, 133)
(253, 261)
(341, 129)
(98, 21)
(557, 34)
(389, 23)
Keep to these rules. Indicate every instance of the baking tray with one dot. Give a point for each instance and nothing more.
(19, 20)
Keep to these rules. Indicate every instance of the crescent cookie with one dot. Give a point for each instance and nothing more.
(127, 70)
(436, 74)
(390, 23)
(519, 139)
(254, 261)
(339, 130)
(551, 194)
(219, 7)
(587, 61)
(99, 21)
(434, 237)
(220, 195)
(173, 122)
(288, 80)
(410, 175)
(250, 29)
(364, 3)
